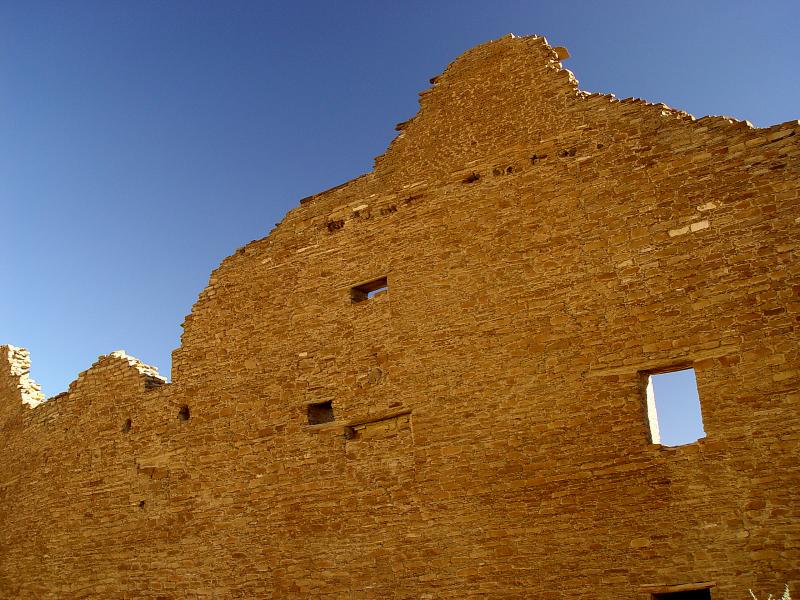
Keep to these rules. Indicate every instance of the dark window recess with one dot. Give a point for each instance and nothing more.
(689, 595)
(673, 408)
(183, 413)
(365, 291)
(320, 412)
(126, 426)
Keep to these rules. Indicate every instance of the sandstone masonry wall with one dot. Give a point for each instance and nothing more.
(544, 249)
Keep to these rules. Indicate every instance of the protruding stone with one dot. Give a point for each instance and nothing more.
(561, 52)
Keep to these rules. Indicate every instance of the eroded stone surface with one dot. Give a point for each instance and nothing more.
(543, 247)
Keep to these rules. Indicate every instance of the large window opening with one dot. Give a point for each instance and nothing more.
(673, 408)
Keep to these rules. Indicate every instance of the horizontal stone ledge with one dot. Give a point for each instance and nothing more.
(340, 426)
(660, 588)
(687, 358)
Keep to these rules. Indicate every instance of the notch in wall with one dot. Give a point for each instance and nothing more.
(537, 158)
(500, 170)
(334, 225)
(472, 178)
(153, 382)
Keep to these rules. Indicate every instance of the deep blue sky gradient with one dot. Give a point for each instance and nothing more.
(141, 142)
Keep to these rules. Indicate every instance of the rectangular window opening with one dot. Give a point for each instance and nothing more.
(673, 409)
(687, 595)
(320, 412)
(365, 291)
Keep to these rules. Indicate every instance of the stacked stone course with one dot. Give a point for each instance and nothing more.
(480, 429)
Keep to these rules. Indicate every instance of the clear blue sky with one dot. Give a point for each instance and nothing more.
(141, 142)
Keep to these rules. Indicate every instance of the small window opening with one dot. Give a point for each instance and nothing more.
(688, 595)
(141, 503)
(320, 412)
(365, 291)
(183, 413)
(126, 426)
(673, 408)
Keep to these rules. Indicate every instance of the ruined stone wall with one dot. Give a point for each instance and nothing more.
(544, 248)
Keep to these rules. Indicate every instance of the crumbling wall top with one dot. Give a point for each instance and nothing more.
(15, 380)
(18, 389)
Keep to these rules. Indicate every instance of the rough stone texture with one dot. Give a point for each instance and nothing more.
(544, 247)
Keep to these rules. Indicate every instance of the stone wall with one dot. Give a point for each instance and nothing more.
(479, 428)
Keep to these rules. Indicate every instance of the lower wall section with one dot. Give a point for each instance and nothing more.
(388, 507)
